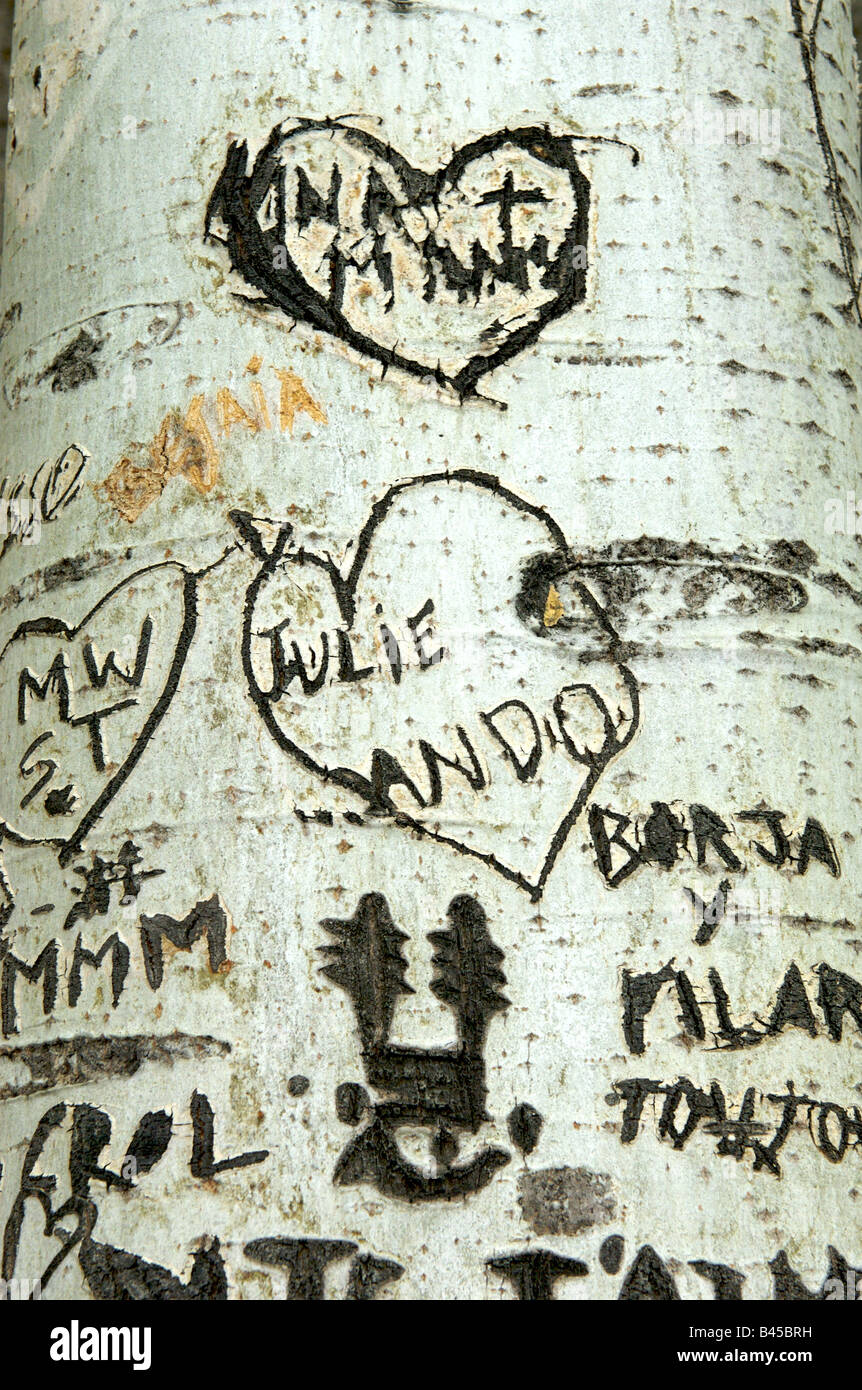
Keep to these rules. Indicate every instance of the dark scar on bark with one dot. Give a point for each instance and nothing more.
(841, 210)
(611, 1254)
(75, 364)
(75, 1061)
(524, 1124)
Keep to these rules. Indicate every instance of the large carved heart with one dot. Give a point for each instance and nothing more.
(80, 702)
(445, 274)
(450, 676)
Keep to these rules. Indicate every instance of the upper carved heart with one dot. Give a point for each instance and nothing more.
(444, 275)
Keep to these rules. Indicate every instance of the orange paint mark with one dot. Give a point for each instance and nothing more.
(183, 445)
(554, 609)
(296, 400)
(231, 413)
(200, 461)
(262, 407)
(130, 488)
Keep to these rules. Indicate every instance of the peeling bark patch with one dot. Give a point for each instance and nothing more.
(72, 569)
(565, 1201)
(75, 364)
(812, 645)
(739, 369)
(845, 379)
(75, 1061)
(838, 586)
(795, 556)
(606, 89)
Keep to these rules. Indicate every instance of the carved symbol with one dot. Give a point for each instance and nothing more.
(444, 275)
(712, 913)
(471, 709)
(307, 1260)
(29, 503)
(533, 1274)
(440, 1088)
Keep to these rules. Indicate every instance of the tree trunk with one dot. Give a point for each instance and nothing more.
(429, 644)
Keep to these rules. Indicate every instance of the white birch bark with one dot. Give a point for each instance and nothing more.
(612, 352)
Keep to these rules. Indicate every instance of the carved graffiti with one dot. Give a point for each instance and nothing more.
(336, 228)
(440, 1088)
(524, 693)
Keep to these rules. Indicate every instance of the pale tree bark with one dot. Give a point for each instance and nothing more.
(430, 633)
